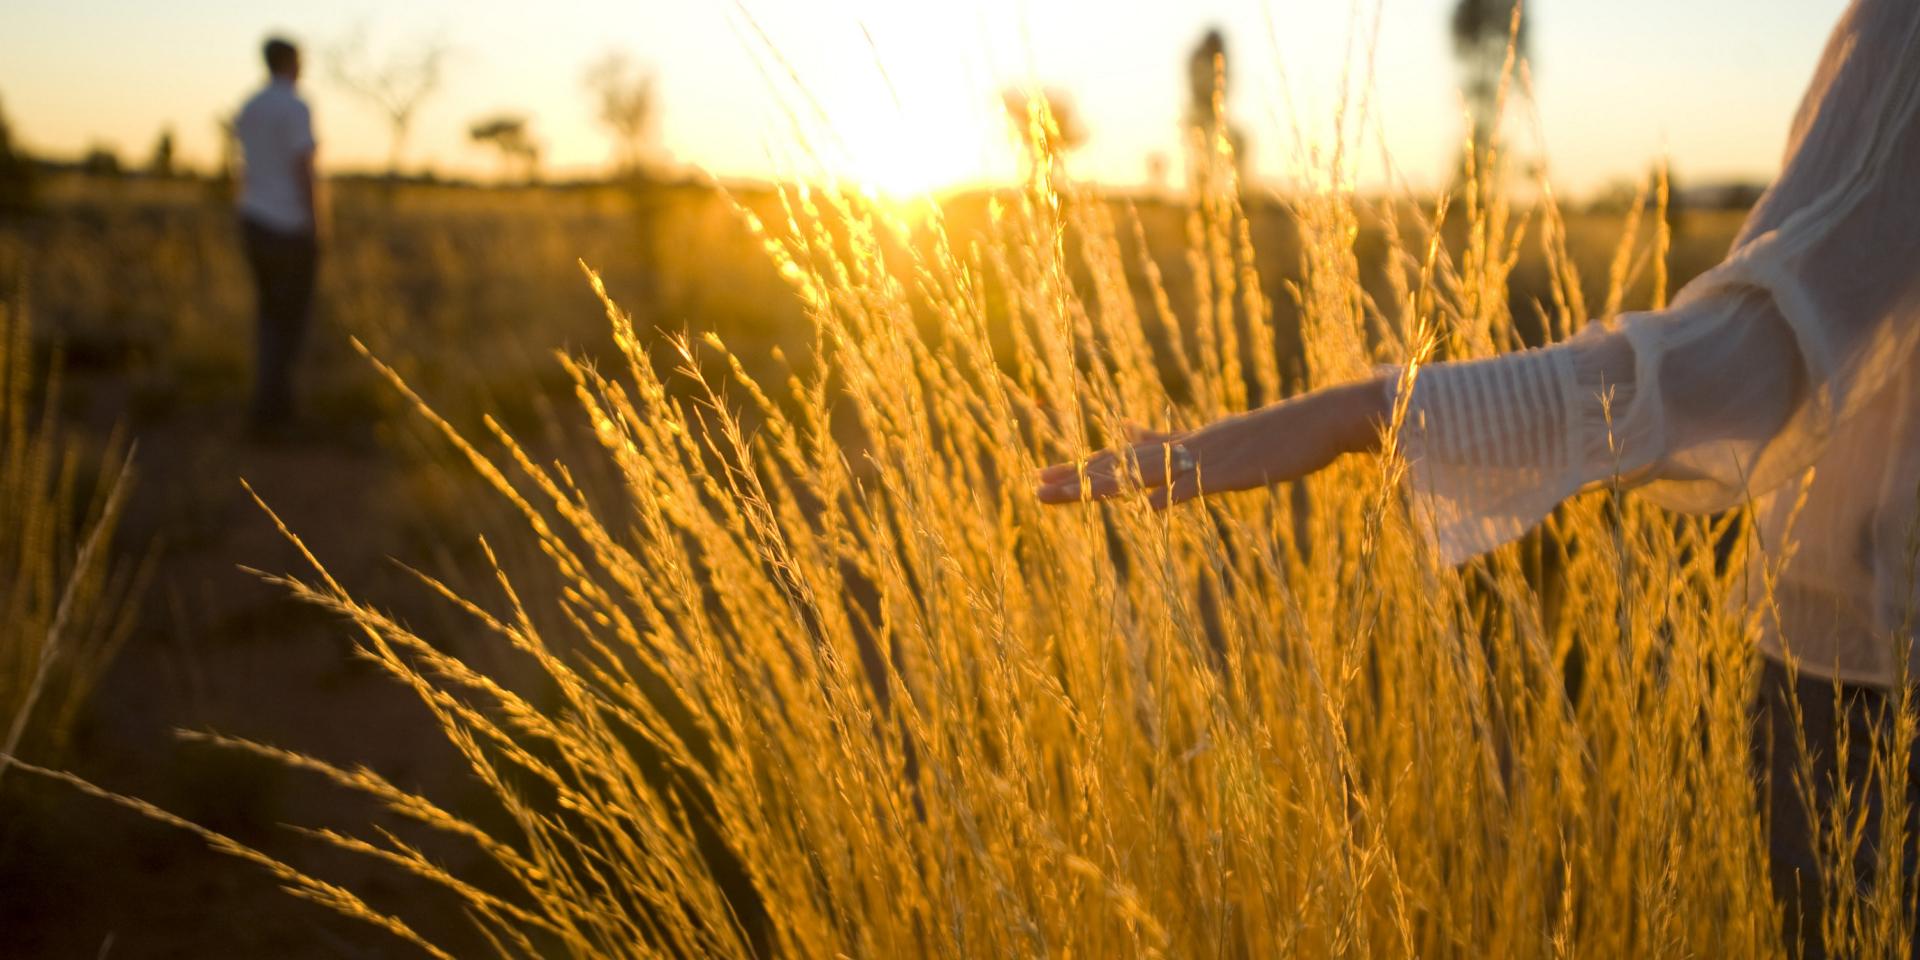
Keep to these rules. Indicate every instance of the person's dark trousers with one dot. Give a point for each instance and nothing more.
(284, 268)
(1794, 860)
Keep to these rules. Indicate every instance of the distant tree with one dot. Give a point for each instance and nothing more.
(101, 160)
(509, 136)
(395, 86)
(1741, 196)
(1481, 31)
(626, 104)
(1621, 194)
(1616, 197)
(1678, 198)
(221, 188)
(229, 146)
(161, 163)
(16, 173)
(1046, 123)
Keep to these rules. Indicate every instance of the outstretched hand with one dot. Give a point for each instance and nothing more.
(1284, 441)
(1163, 465)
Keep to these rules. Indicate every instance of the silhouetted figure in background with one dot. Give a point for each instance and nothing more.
(1206, 76)
(161, 165)
(277, 220)
(1481, 31)
(1215, 146)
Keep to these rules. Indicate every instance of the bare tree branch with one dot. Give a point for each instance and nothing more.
(625, 97)
(394, 85)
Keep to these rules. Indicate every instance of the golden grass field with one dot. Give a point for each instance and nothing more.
(736, 631)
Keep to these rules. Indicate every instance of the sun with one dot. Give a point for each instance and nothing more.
(897, 171)
(921, 128)
(905, 157)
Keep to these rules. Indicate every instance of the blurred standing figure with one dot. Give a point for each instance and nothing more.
(277, 224)
(1215, 145)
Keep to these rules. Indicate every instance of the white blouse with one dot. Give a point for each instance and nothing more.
(1796, 351)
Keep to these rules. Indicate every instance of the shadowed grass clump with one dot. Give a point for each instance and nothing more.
(64, 605)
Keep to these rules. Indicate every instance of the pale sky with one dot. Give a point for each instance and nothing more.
(1712, 83)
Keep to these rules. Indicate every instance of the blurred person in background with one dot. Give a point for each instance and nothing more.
(1207, 127)
(1798, 351)
(278, 224)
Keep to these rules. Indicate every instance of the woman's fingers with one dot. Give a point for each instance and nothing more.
(1109, 474)
(1060, 472)
(1058, 491)
(1137, 436)
(1184, 488)
(1280, 442)
(1101, 479)
(1060, 483)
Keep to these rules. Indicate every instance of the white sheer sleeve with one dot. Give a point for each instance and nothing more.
(1737, 386)
(1682, 398)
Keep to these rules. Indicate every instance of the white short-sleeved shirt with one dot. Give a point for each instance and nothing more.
(275, 130)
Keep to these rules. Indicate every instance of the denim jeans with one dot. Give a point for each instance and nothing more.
(1795, 862)
(285, 266)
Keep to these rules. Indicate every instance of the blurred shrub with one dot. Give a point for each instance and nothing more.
(16, 174)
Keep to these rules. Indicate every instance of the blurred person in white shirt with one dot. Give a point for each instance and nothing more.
(278, 223)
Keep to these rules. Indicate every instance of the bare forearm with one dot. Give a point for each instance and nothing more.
(1280, 442)
(1355, 414)
(1302, 434)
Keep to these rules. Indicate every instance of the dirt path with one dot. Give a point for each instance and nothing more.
(217, 649)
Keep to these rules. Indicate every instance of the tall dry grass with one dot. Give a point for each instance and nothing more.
(64, 601)
(823, 679)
